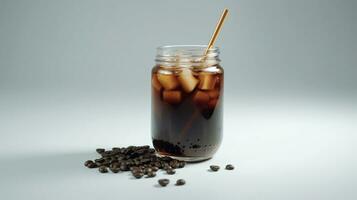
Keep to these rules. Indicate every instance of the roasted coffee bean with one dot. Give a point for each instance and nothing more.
(99, 160)
(114, 169)
(124, 168)
(102, 169)
(173, 162)
(106, 163)
(155, 169)
(214, 168)
(151, 174)
(138, 174)
(167, 167)
(135, 171)
(92, 165)
(114, 165)
(100, 150)
(181, 164)
(88, 162)
(147, 170)
(163, 182)
(170, 171)
(180, 182)
(116, 149)
(229, 167)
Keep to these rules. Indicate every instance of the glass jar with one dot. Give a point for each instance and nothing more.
(187, 102)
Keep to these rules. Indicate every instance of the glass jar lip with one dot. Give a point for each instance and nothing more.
(194, 50)
(187, 55)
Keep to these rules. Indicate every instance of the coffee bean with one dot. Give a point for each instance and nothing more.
(116, 149)
(138, 174)
(102, 169)
(147, 170)
(114, 165)
(182, 164)
(180, 182)
(170, 171)
(163, 182)
(106, 164)
(167, 167)
(136, 171)
(88, 162)
(173, 163)
(100, 150)
(114, 169)
(229, 167)
(155, 169)
(124, 168)
(151, 174)
(92, 165)
(100, 160)
(214, 168)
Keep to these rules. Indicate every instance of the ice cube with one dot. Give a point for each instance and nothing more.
(187, 80)
(172, 96)
(155, 83)
(213, 94)
(207, 81)
(168, 81)
(201, 97)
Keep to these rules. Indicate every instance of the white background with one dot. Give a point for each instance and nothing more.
(75, 76)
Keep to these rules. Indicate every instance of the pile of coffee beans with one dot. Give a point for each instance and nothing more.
(140, 160)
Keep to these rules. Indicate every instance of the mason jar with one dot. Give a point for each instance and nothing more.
(187, 102)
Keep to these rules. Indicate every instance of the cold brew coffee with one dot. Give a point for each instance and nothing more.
(187, 102)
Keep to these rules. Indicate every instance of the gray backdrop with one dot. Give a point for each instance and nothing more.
(75, 75)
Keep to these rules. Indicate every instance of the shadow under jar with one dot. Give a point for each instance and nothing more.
(187, 102)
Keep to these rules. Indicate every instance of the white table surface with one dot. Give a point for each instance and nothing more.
(296, 149)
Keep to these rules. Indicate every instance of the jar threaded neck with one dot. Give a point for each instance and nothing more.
(187, 55)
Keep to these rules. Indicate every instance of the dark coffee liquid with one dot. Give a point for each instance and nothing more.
(187, 112)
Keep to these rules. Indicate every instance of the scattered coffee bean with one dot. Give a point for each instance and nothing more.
(167, 167)
(88, 162)
(103, 169)
(151, 174)
(214, 168)
(147, 170)
(138, 174)
(114, 169)
(163, 182)
(180, 182)
(100, 160)
(124, 167)
(100, 150)
(229, 167)
(181, 164)
(170, 171)
(92, 165)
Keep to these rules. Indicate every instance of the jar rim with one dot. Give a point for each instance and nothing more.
(172, 55)
(196, 50)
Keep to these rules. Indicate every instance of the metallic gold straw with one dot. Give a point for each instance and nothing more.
(217, 29)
